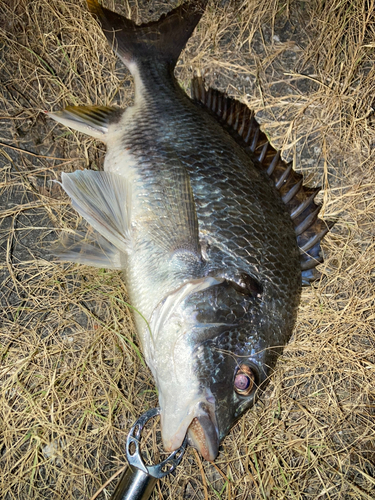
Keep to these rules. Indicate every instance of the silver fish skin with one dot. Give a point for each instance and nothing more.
(206, 245)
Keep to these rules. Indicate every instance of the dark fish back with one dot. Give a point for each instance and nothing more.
(241, 124)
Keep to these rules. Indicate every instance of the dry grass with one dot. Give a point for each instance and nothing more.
(71, 378)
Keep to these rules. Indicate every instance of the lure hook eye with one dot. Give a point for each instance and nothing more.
(244, 380)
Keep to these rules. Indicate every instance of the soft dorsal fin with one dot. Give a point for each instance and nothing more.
(240, 122)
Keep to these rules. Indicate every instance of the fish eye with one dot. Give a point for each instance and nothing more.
(244, 380)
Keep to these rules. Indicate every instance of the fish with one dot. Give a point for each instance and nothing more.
(213, 232)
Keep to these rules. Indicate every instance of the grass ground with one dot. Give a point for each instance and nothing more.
(72, 379)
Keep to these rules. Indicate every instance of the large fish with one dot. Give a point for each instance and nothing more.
(208, 224)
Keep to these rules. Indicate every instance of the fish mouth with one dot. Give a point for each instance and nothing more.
(203, 435)
(201, 429)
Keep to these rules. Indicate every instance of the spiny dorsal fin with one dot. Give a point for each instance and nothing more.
(240, 122)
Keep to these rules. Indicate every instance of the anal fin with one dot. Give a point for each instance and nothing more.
(91, 120)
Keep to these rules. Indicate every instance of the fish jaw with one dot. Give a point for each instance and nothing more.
(198, 422)
(203, 434)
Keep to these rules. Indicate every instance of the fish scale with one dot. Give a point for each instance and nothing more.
(194, 207)
(247, 215)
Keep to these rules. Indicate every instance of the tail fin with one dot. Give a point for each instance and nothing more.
(162, 40)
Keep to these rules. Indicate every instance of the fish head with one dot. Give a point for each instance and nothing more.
(234, 374)
(213, 367)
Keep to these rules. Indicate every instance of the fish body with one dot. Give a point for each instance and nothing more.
(205, 241)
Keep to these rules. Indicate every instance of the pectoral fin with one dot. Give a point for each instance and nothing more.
(174, 226)
(91, 120)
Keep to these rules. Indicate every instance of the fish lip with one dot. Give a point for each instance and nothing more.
(201, 429)
(203, 432)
